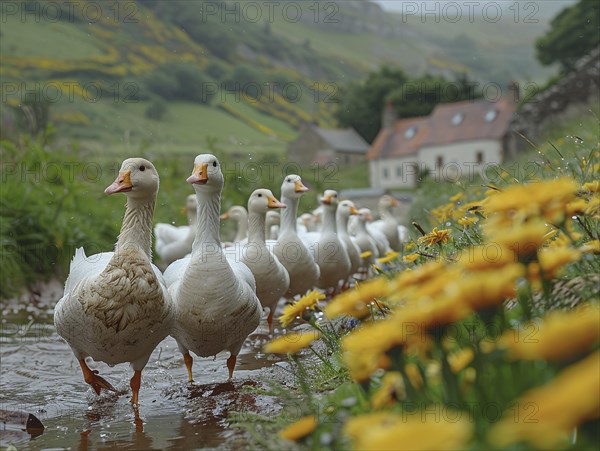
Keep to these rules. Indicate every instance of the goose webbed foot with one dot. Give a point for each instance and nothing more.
(96, 381)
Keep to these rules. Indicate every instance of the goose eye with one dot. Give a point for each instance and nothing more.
(259, 195)
(142, 168)
(214, 164)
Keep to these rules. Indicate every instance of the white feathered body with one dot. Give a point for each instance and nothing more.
(115, 308)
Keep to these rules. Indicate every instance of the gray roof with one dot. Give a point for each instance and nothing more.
(353, 193)
(343, 140)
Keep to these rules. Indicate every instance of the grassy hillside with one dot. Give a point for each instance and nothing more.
(101, 74)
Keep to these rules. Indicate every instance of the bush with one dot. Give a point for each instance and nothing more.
(179, 81)
(156, 110)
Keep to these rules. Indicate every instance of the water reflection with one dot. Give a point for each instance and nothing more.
(39, 375)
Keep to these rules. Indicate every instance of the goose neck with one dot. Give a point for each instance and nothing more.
(288, 215)
(342, 225)
(136, 229)
(256, 227)
(329, 221)
(207, 221)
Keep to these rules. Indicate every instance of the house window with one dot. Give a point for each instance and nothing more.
(490, 115)
(398, 171)
(479, 157)
(458, 118)
(385, 173)
(411, 132)
(439, 162)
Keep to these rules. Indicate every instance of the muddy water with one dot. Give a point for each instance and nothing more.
(40, 376)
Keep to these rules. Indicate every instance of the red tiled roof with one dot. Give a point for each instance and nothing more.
(473, 126)
(395, 142)
(438, 128)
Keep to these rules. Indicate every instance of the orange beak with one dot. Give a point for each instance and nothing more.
(327, 200)
(369, 217)
(299, 186)
(395, 202)
(122, 184)
(274, 203)
(199, 175)
(224, 216)
(353, 211)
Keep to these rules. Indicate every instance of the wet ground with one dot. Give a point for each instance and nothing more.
(40, 376)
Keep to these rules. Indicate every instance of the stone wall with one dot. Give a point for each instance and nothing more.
(570, 97)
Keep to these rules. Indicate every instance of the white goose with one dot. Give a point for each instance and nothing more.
(172, 242)
(217, 307)
(388, 224)
(272, 279)
(329, 251)
(290, 250)
(363, 239)
(116, 307)
(240, 215)
(346, 209)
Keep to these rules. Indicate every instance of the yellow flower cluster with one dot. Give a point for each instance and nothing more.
(545, 417)
(385, 431)
(436, 236)
(291, 343)
(310, 301)
(559, 336)
(299, 429)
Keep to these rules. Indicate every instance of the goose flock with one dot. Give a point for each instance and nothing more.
(118, 306)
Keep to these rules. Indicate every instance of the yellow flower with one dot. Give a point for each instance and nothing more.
(389, 256)
(443, 212)
(410, 258)
(486, 288)
(459, 360)
(366, 254)
(576, 207)
(591, 246)
(593, 208)
(436, 236)
(353, 302)
(593, 187)
(456, 197)
(467, 222)
(364, 348)
(487, 256)
(300, 429)
(546, 198)
(559, 336)
(307, 302)
(410, 246)
(414, 375)
(390, 391)
(523, 239)
(292, 342)
(415, 432)
(545, 417)
(551, 260)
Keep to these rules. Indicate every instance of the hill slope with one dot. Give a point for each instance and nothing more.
(253, 73)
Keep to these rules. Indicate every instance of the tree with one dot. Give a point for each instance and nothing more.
(574, 32)
(362, 103)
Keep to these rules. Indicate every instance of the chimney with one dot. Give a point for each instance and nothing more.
(388, 117)
(513, 94)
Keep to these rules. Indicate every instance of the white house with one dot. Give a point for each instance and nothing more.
(456, 140)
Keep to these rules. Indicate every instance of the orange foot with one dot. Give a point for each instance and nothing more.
(91, 377)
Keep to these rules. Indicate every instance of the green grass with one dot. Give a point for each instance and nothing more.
(122, 127)
(45, 39)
